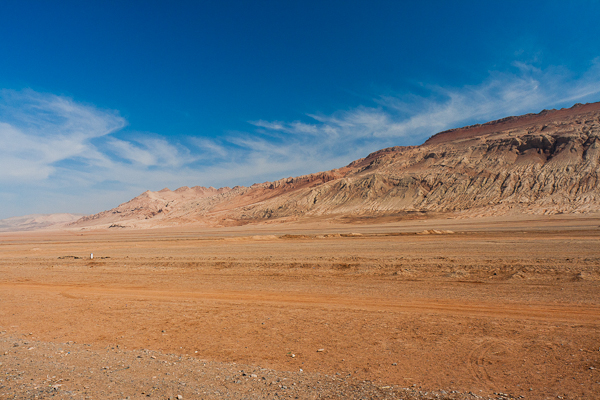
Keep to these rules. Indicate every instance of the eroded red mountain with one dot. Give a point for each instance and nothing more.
(543, 163)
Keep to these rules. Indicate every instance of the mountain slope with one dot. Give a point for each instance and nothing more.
(542, 163)
(37, 221)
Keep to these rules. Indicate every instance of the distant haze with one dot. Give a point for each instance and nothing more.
(37, 221)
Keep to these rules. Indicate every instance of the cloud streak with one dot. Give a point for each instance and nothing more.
(38, 130)
(68, 153)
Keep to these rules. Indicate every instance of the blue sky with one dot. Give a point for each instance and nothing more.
(100, 101)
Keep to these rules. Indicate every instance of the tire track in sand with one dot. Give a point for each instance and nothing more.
(489, 351)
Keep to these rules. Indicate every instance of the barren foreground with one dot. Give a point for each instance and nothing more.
(305, 311)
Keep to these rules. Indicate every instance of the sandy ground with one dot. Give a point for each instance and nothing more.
(495, 309)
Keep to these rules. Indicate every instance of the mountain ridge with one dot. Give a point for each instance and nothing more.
(544, 163)
(512, 122)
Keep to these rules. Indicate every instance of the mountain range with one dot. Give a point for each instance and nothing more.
(544, 163)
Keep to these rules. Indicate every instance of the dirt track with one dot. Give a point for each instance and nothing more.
(511, 308)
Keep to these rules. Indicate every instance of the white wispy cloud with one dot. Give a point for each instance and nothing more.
(68, 153)
(292, 127)
(209, 148)
(38, 130)
(149, 152)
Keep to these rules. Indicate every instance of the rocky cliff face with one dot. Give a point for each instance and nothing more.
(544, 163)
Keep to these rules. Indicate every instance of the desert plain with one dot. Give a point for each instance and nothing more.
(497, 307)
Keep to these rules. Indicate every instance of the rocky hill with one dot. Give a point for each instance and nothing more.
(543, 163)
